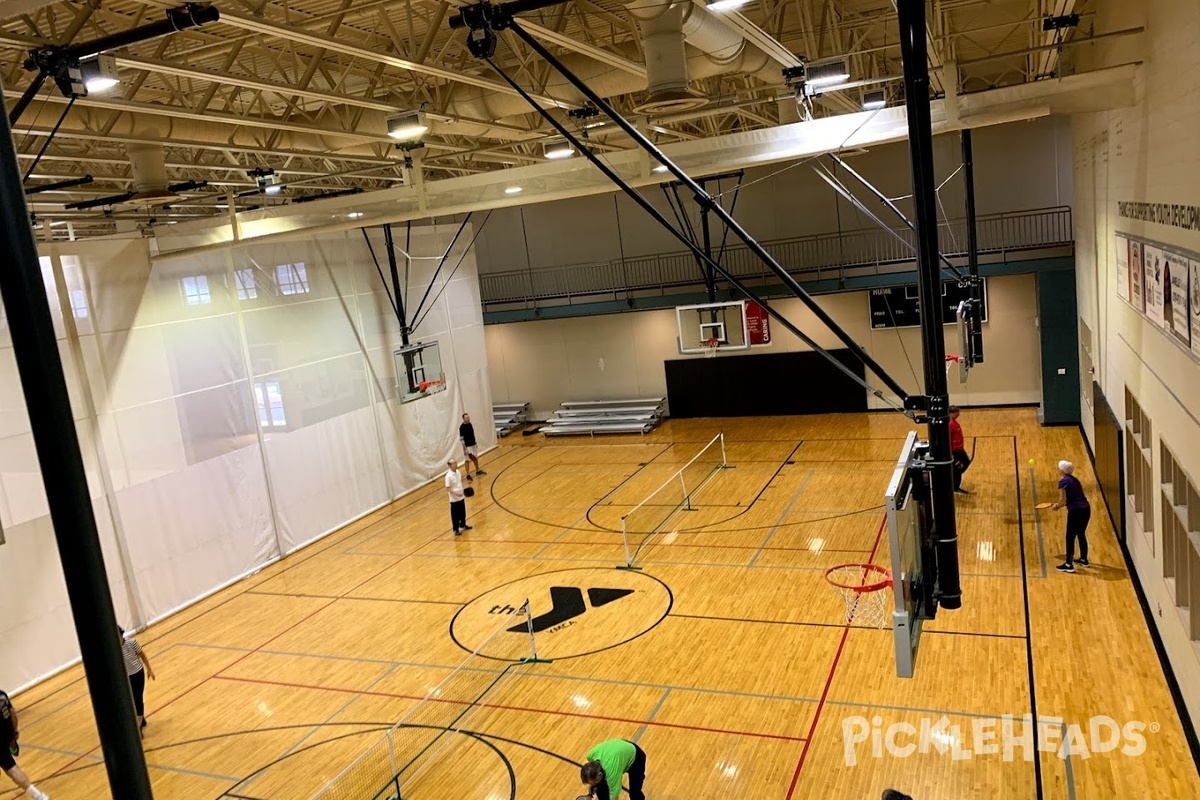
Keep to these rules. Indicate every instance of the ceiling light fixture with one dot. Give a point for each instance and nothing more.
(100, 73)
(513, 190)
(874, 100)
(408, 127)
(355, 215)
(725, 5)
(827, 73)
(558, 150)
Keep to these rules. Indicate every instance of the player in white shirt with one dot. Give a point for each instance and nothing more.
(458, 500)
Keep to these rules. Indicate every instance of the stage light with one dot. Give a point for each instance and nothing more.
(408, 127)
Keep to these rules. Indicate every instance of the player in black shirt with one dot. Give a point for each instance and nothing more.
(466, 434)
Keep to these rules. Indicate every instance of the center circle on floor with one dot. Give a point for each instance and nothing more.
(573, 612)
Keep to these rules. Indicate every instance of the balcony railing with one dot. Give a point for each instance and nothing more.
(819, 256)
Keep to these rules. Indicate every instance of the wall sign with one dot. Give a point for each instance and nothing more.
(1161, 282)
(758, 324)
(898, 307)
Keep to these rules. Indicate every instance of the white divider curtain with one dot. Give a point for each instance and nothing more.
(232, 408)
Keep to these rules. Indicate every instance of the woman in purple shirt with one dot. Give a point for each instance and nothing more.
(1079, 513)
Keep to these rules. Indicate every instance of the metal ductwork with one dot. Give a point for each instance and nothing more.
(149, 165)
(666, 64)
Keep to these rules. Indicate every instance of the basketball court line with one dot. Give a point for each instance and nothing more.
(380, 599)
(837, 657)
(505, 707)
(783, 515)
(100, 760)
(1066, 743)
(1037, 521)
(446, 538)
(1037, 762)
(653, 713)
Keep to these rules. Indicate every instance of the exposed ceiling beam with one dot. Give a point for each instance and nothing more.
(598, 53)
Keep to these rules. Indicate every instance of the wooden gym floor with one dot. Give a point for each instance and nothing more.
(728, 662)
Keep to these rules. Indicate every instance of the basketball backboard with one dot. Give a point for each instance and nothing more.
(419, 371)
(735, 325)
(914, 570)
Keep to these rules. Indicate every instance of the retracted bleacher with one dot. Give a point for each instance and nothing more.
(590, 417)
(509, 417)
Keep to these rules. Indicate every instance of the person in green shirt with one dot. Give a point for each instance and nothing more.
(607, 762)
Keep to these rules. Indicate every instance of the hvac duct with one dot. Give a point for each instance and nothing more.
(666, 64)
(149, 165)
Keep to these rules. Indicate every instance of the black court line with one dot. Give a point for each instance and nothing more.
(839, 626)
(1037, 760)
(1018, 637)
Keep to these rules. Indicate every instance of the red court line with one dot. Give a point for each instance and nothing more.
(239, 660)
(837, 657)
(503, 707)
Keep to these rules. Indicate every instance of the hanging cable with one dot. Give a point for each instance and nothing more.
(49, 139)
(382, 279)
(657, 215)
(441, 263)
(450, 276)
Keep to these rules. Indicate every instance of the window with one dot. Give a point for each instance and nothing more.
(292, 278)
(1087, 372)
(246, 290)
(195, 290)
(1181, 523)
(79, 306)
(269, 398)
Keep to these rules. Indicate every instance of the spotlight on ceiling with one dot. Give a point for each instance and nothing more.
(268, 182)
(827, 72)
(725, 5)
(408, 127)
(874, 100)
(660, 168)
(100, 73)
(558, 150)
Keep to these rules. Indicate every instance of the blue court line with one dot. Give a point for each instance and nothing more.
(98, 759)
(1066, 744)
(248, 781)
(1037, 522)
(653, 712)
(787, 510)
(613, 681)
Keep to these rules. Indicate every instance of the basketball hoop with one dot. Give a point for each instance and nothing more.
(861, 587)
(710, 347)
(425, 386)
(951, 360)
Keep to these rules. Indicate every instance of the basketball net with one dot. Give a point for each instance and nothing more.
(951, 360)
(710, 347)
(862, 588)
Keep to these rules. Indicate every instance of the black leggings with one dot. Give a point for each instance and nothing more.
(137, 682)
(458, 514)
(962, 462)
(1077, 522)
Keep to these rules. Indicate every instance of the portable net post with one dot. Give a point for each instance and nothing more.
(532, 658)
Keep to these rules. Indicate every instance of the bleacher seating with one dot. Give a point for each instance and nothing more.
(509, 417)
(590, 417)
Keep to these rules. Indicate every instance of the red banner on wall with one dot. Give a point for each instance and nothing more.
(758, 324)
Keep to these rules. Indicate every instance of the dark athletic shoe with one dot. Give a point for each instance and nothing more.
(961, 491)
(458, 533)
(1065, 567)
(1083, 562)
(467, 528)
(480, 472)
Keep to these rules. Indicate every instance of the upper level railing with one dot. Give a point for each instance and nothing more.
(822, 254)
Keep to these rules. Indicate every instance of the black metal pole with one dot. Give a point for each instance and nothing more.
(968, 159)
(191, 15)
(929, 285)
(892, 206)
(704, 199)
(710, 277)
(391, 253)
(67, 184)
(57, 443)
(687, 242)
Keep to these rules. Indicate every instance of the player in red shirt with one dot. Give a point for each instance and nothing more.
(958, 451)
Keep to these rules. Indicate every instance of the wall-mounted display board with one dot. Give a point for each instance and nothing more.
(1162, 282)
(897, 306)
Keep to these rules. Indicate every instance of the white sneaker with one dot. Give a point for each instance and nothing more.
(36, 794)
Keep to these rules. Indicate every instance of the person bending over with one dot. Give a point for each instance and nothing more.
(607, 762)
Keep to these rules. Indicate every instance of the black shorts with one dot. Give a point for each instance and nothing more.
(7, 761)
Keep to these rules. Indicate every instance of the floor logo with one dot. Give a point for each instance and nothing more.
(574, 612)
(566, 603)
